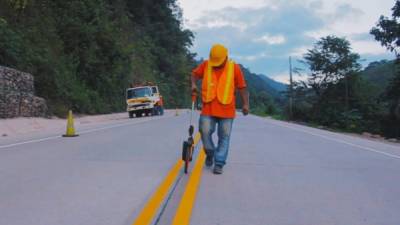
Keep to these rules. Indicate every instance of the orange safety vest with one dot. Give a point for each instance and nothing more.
(222, 88)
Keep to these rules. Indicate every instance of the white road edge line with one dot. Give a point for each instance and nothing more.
(338, 135)
(340, 141)
(81, 132)
(30, 141)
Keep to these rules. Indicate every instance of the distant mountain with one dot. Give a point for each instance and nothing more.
(379, 73)
(273, 83)
(266, 95)
(259, 82)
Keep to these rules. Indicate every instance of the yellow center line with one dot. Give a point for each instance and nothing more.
(196, 139)
(151, 208)
(184, 211)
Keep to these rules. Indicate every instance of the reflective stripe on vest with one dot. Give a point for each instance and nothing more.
(222, 88)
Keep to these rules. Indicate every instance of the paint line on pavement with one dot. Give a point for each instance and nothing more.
(30, 141)
(184, 211)
(341, 141)
(196, 138)
(150, 210)
(122, 125)
(80, 132)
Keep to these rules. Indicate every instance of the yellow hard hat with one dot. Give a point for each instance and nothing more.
(218, 54)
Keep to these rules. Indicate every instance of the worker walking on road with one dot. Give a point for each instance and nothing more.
(220, 78)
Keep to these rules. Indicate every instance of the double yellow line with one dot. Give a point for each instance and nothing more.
(183, 213)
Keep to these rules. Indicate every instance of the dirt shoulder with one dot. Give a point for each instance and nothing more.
(364, 135)
(25, 125)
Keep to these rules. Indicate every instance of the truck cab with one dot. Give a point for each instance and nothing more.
(144, 100)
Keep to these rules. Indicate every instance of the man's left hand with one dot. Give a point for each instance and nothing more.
(245, 110)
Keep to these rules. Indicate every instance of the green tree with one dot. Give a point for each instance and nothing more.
(335, 94)
(330, 61)
(84, 53)
(387, 32)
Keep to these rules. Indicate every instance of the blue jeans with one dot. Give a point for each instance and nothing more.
(207, 126)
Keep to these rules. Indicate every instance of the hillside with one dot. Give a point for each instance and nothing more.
(260, 83)
(379, 73)
(266, 95)
(273, 83)
(83, 54)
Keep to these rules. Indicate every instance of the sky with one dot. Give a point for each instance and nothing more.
(262, 34)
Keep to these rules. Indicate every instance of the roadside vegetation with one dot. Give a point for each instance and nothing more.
(84, 53)
(266, 96)
(338, 94)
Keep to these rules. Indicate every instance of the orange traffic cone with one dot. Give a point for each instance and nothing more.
(70, 126)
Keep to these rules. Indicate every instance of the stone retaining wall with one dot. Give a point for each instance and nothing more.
(17, 95)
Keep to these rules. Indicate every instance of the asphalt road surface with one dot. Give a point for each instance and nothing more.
(277, 173)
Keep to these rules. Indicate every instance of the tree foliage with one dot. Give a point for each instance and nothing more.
(329, 61)
(387, 32)
(335, 93)
(84, 53)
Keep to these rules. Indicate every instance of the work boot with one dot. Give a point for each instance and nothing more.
(217, 169)
(209, 160)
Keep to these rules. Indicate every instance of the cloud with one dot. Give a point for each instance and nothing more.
(260, 38)
(249, 57)
(264, 29)
(220, 23)
(271, 39)
(284, 77)
(299, 51)
(262, 34)
(368, 48)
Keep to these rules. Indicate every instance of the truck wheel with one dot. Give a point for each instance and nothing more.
(139, 114)
(154, 111)
(130, 114)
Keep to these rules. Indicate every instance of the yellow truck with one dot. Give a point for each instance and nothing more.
(144, 100)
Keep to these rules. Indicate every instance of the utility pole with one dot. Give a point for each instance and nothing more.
(347, 92)
(290, 89)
